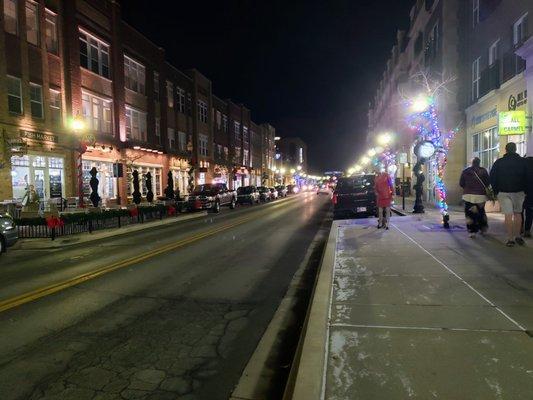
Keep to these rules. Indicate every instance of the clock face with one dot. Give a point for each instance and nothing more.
(426, 149)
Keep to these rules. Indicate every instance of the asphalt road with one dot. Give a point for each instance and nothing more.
(172, 312)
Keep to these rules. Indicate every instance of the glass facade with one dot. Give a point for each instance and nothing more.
(45, 174)
(107, 184)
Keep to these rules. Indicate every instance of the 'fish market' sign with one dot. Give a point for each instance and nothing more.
(39, 136)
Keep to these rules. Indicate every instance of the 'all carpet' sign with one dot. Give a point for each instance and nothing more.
(512, 123)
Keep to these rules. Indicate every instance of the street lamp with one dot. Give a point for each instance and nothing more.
(421, 103)
(299, 167)
(384, 139)
(371, 152)
(293, 171)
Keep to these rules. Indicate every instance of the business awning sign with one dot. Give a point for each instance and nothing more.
(512, 123)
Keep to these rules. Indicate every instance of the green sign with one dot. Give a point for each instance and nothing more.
(512, 123)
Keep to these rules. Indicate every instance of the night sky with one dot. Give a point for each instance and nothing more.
(307, 67)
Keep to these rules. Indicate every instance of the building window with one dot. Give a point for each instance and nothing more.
(475, 12)
(158, 130)
(156, 173)
(237, 130)
(46, 174)
(156, 85)
(11, 24)
(486, 146)
(218, 119)
(135, 76)
(107, 184)
(520, 30)
(94, 54)
(475, 79)
(55, 106)
(32, 22)
(202, 111)
(170, 94)
(246, 157)
(135, 124)
(181, 99)
(225, 123)
(36, 100)
(202, 144)
(182, 141)
(171, 138)
(245, 134)
(97, 113)
(51, 32)
(14, 95)
(493, 52)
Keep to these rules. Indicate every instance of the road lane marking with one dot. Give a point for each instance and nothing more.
(462, 280)
(54, 288)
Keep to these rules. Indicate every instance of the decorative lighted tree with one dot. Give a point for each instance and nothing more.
(432, 144)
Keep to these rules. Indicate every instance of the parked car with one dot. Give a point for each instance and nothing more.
(323, 189)
(212, 196)
(8, 232)
(355, 195)
(247, 195)
(273, 194)
(282, 190)
(264, 194)
(292, 189)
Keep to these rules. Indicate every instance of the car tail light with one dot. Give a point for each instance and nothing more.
(334, 198)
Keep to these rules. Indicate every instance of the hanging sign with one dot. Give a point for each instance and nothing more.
(512, 123)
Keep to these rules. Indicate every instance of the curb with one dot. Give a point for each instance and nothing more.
(73, 240)
(257, 376)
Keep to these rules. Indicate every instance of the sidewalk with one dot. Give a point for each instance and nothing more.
(419, 312)
(63, 241)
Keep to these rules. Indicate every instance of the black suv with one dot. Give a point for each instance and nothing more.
(355, 195)
(212, 196)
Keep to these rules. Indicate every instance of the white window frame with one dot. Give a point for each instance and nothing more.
(11, 14)
(102, 120)
(519, 29)
(225, 123)
(170, 94)
(203, 145)
(237, 130)
(50, 30)
(182, 141)
(475, 78)
(55, 105)
(493, 52)
(14, 80)
(171, 135)
(36, 100)
(100, 48)
(32, 29)
(475, 13)
(180, 95)
(136, 124)
(246, 157)
(484, 153)
(134, 75)
(202, 111)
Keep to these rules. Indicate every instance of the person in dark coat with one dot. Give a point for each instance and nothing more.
(508, 179)
(474, 181)
(528, 202)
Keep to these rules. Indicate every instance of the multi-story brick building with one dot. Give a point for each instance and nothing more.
(70, 61)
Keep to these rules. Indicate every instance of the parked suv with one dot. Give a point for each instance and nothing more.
(247, 195)
(282, 190)
(8, 232)
(264, 193)
(212, 196)
(355, 195)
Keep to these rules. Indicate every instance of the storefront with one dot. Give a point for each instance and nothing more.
(107, 182)
(180, 173)
(483, 137)
(220, 174)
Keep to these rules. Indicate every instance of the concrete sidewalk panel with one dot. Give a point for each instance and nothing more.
(366, 364)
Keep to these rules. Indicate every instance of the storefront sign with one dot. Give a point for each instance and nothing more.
(39, 136)
(512, 123)
(478, 119)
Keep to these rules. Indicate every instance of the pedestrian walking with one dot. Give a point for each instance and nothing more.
(475, 182)
(383, 188)
(528, 202)
(508, 179)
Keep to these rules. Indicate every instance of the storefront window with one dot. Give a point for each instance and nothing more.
(106, 182)
(486, 146)
(143, 170)
(520, 141)
(46, 174)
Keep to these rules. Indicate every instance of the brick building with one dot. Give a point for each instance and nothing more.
(65, 61)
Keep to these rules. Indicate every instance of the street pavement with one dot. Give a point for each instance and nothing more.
(172, 312)
(420, 312)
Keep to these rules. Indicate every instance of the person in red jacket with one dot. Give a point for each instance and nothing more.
(383, 188)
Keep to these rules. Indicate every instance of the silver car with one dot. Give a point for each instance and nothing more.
(8, 232)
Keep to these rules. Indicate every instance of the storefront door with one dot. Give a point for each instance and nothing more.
(39, 183)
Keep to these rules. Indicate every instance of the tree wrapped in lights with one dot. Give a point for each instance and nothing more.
(424, 120)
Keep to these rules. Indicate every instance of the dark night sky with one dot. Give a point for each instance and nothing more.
(308, 67)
